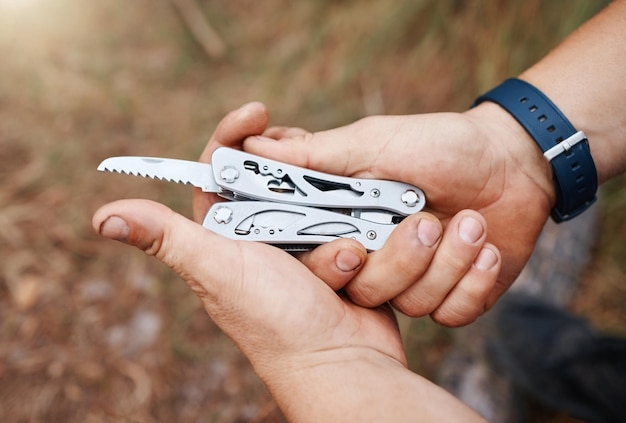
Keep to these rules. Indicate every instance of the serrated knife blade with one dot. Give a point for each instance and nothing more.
(199, 175)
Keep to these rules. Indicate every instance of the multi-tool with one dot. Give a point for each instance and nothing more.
(281, 204)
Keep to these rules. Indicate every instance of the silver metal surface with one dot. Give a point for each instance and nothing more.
(291, 207)
(565, 145)
(292, 227)
(199, 175)
(269, 180)
(410, 198)
(223, 214)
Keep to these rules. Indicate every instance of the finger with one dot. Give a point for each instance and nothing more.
(320, 151)
(149, 226)
(336, 263)
(462, 240)
(230, 277)
(404, 258)
(375, 146)
(279, 132)
(250, 119)
(249, 299)
(468, 299)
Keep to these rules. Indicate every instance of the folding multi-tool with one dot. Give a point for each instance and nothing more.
(284, 205)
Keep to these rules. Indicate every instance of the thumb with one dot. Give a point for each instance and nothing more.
(250, 119)
(249, 299)
(337, 262)
(229, 276)
(181, 244)
(334, 151)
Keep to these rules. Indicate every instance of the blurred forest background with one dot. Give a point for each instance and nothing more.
(91, 330)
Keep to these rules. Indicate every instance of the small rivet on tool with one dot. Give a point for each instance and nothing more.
(229, 174)
(410, 198)
(371, 235)
(223, 215)
(375, 193)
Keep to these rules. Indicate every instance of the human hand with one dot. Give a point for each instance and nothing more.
(310, 344)
(322, 357)
(481, 160)
(462, 268)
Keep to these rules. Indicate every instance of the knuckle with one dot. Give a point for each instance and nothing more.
(364, 294)
(462, 307)
(155, 248)
(456, 261)
(149, 243)
(450, 317)
(415, 304)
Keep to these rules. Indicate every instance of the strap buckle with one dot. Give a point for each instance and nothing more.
(565, 145)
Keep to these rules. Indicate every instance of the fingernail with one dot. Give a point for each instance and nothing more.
(486, 259)
(428, 232)
(115, 228)
(347, 260)
(470, 230)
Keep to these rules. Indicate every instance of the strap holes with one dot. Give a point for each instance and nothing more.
(551, 128)
(542, 118)
(523, 100)
(575, 166)
(532, 109)
(580, 179)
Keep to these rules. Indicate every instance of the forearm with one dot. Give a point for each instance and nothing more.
(364, 387)
(585, 77)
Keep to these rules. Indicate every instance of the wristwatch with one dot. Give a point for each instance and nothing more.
(567, 150)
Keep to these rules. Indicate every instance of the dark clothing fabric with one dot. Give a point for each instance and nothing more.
(559, 359)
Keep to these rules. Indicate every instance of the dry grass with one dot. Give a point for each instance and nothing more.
(92, 331)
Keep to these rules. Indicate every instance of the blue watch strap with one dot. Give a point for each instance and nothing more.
(574, 173)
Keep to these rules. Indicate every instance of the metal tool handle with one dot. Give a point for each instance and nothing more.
(253, 177)
(291, 227)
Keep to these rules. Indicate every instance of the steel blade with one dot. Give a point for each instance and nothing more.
(199, 175)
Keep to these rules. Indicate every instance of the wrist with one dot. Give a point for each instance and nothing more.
(358, 384)
(565, 148)
(325, 385)
(519, 151)
(593, 107)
